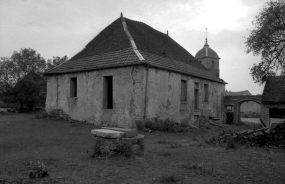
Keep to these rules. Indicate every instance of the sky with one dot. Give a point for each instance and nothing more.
(64, 27)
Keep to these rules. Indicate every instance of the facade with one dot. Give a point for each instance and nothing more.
(130, 72)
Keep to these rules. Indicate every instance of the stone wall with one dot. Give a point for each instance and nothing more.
(163, 97)
(165, 91)
(236, 101)
(128, 96)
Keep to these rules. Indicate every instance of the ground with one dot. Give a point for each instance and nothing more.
(66, 148)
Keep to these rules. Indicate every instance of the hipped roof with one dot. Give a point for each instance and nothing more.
(127, 42)
(274, 90)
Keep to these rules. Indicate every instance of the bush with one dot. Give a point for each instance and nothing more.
(231, 144)
(41, 115)
(166, 125)
(53, 115)
(37, 169)
(171, 179)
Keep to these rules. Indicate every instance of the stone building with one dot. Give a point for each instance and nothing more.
(130, 72)
(273, 97)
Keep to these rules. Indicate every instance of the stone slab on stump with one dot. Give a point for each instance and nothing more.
(105, 133)
(129, 132)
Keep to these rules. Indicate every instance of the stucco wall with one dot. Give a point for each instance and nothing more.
(164, 96)
(128, 96)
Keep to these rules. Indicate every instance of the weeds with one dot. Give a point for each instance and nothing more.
(231, 144)
(37, 169)
(161, 141)
(170, 179)
(54, 115)
(41, 115)
(165, 154)
(175, 145)
(167, 125)
(198, 168)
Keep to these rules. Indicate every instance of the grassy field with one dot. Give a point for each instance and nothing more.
(66, 149)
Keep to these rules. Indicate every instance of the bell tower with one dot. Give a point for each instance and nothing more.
(209, 58)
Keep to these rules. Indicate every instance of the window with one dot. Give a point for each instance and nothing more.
(229, 108)
(183, 91)
(73, 87)
(196, 96)
(213, 64)
(108, 92)
(206, 92)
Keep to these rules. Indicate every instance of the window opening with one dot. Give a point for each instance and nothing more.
(196, 96)
(206, 92)
(73, 87)
(108, 92)
(183, 90)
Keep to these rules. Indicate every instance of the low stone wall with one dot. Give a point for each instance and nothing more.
(117, 141)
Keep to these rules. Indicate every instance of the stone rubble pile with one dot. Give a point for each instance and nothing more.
(274, 136)
(113, 140)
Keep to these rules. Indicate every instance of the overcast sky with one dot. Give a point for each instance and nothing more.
(64, 27)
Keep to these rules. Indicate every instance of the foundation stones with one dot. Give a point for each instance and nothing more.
(113, 140)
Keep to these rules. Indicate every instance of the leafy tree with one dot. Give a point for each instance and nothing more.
(31, 90)
(268, 40)
(13, 69)
(51, 63)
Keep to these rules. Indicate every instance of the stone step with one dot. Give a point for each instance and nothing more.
(105, 133)
(129, 132)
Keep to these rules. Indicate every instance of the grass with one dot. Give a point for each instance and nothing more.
(66, 150)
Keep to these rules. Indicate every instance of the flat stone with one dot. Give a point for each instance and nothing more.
(105, 133)
(129, 132)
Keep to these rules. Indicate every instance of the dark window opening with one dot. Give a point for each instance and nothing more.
(196, 96)
(213, 64)
(206, 92)
(108, 92)
(183, 90)
(73, 87)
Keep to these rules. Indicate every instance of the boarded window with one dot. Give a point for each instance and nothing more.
(196, 96)
(108, 92)
(73, 87)
(206, 92)
(183, 90)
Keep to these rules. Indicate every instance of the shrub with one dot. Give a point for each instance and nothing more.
(175, 145)
(37, 169)
(161, 141)
(198, 168)
(165, 154)
(231, 144)
(170, 179)
(166, 125)
(41, 115)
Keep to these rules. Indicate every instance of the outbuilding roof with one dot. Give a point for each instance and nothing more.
(127, 42)
(274, 90)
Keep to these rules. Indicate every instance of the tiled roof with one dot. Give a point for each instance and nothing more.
(178, 66)
(152, 41)
(274, 90)
(112, 48)
(106, 60)
(110, 39)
